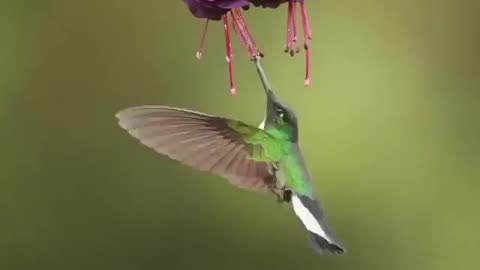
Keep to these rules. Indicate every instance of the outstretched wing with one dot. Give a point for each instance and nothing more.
(205, 142)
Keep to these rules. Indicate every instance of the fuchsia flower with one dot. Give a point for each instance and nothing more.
(232, 9)
(291, 45)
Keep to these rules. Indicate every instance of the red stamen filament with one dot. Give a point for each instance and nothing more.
(307, 36)
(202, 42)
(307, 68)
(289, 27)
(228, 44)
(250, 36)
(246, 38)
(240, 31)
(306, 25)
(244, 34)
(291, 45)
(294, 24)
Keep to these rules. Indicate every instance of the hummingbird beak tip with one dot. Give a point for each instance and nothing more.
(263, 77)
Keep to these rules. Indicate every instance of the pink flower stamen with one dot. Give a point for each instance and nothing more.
(250, 36)
(241, 34)
(246, 39)
(307, 36)
(306, 24)
(307, 68)
(289, 27)
(229, 57)
(294, 24)
(202, 42)
(291, 45)
(244, 34)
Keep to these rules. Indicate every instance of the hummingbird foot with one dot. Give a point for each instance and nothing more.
(283, 195)
(287, 195)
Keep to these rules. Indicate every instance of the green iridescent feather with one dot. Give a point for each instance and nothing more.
(272, 145)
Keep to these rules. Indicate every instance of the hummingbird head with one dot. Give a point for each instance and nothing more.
(281, 118)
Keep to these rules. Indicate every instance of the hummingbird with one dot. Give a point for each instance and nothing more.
(265, 158)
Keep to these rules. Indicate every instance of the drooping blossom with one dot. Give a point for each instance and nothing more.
(291, 43)
(226, 10)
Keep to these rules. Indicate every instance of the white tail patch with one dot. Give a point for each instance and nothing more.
(307, 218)
(262, 125)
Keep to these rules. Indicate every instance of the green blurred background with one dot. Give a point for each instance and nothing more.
(389, 128)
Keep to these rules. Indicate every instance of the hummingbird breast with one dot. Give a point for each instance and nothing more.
(293, 174)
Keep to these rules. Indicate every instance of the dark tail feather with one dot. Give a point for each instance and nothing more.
(322, 246)
(312, 217)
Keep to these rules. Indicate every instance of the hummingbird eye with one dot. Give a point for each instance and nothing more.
(281, 114)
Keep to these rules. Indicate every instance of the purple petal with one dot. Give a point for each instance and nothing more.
(213, 9)
(229, 4)
(270, 3)
(205, 9)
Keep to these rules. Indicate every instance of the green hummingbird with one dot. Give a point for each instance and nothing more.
(265, 158)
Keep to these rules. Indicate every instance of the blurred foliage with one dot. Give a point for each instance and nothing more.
(389, 128)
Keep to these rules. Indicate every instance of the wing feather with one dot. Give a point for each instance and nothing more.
(202, 141)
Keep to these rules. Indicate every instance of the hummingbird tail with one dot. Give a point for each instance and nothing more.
(312, 217)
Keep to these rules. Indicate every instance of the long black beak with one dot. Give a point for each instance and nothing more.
(266, 85)
(271, 98)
